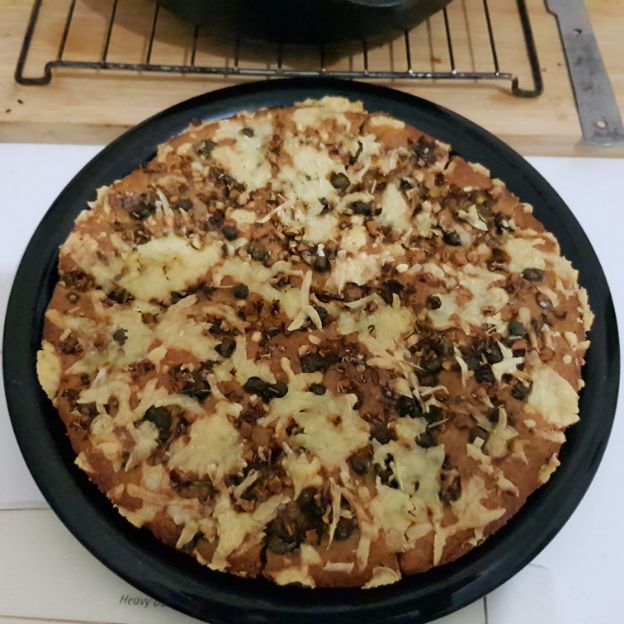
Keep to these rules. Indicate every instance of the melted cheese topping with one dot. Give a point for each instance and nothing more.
(358, 269)
(164, 265)
(234, 527)
(246, 159)
(332, 429)
(307, 179)
(241, 367)
(254, 277)
(499, 438)
(548, 469)
(380, 332)
(299, 576)
(303, 472)
(382, 576)
(483, 306)
(508, 365)
(214, 447)
(49, 369)
(138, 337)
(177, 331)
(150, 271)
(523, 254)
(473, 217)
(395, 209)
(391, 510)
(152, 502)
(475, 451)
(415, 468)
(554, 398)
(471, 514)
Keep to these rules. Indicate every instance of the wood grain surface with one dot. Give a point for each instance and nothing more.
(94, 107)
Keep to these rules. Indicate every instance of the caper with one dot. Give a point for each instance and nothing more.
(198, 389)
(408, 406)
(344, 528)
(339, 181)
(231, 233)
(380, 432)
(143, 210)
(312, 363)
(543, 301)
(226, 347)
(434, 414)
(240, 291)
(426, 440)
(360, 461)
(120, 336)
(257, 251)
(520, 391)
(427, 379)
(451, 491)
(484, 374)
(255, 385)
(516, 328)
(318, 389)
(452, 238)
(204, 148)
(275, 391)
(493, 353)
(434, 302)
(533, 275)
(161, 418)
(431, 365)
(360, 207)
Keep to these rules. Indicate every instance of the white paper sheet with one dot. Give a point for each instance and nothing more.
(46, 574)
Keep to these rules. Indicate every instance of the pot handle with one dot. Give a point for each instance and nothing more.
(598, 110)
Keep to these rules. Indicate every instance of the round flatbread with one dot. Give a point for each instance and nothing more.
(311, 343)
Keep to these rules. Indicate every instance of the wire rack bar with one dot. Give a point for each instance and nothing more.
(109, 31)
(408, 51)
(488, 21)
(449, 41)
(150, 45)
(194, 50)
(70, 15)
(274, 66)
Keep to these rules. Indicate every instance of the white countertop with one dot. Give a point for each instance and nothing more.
(581, 578)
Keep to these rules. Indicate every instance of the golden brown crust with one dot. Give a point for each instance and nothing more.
(311, 344)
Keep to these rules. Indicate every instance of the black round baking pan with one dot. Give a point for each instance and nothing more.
(174, 578)
(305, 21)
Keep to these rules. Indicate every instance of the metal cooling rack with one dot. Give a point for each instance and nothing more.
(275, 66)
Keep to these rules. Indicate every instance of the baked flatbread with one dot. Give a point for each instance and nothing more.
(311, 343)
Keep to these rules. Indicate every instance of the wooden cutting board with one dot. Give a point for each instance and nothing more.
(94, 107)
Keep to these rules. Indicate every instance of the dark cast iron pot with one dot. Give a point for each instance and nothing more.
(305, 21)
